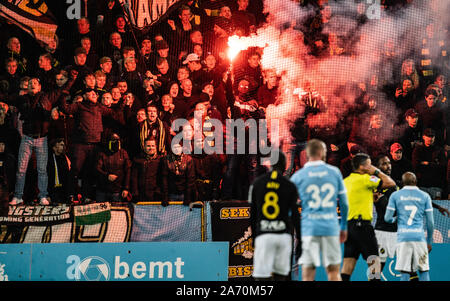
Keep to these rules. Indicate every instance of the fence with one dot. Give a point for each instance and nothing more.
(127, 223)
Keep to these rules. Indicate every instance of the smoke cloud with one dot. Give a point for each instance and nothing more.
(340, 79)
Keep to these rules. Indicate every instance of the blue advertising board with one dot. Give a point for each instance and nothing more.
(439, 267)
(146, 261)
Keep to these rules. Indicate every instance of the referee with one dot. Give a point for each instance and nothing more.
(361, 184)
(274, 216)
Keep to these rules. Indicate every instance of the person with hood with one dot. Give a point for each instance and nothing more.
(114, 171)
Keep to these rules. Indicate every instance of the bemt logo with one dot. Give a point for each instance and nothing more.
(94, 268)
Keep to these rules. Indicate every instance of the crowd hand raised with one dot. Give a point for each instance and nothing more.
(171, 24)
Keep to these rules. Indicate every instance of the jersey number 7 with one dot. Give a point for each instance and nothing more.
(413, 210)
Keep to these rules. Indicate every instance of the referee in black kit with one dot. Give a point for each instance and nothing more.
(274, 216)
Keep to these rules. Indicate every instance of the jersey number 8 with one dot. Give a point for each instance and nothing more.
(317, 200)
(271, 201)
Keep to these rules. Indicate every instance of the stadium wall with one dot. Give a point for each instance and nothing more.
(124, 228)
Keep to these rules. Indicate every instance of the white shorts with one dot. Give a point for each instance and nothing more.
(387, 244)
(272, 254)
(412, 256)
(313, 246)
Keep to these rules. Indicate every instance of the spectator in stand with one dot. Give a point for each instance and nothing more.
(46, 73)
(84, 30)
(53, 48)
(375, 134)
(430, 165)
(243, 18)
(433, 52)
(182, 73)
(215, 102)
(114, 170)
(181, 29)
(268, 93)
(432, 115)
(132, 76)
(154, 127)
(100, 82)
(88, 83)
(167, 107)
(196, 72)
(120, 26)
(80, 67)
(165, 73)
(148, 57)
(114, 51)
(399, 163)
(35, 110)
(208, 172)
(11, 76)
(173, 89)
(346, 163)
(178, 174)
(146, 173)
(163, 51)
(116, 95)
(405, 97)
(251, 68)
(106, 66)
(409, 71)
(7, 166)
(148, 93)
(184, 101)
(60, 183)
(213, 71)
(87, 136)
(14, 50)
(8, 133)
(91, 55)
(412, 135)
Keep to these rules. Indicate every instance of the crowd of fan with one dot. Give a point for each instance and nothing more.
(88, 117)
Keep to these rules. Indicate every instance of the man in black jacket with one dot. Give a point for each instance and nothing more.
(146, 174)
(60, 184)
(430, 165)
(114, 170)
(87, 135)
(35, 111)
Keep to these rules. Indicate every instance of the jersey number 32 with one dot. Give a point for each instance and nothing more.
(317, 201)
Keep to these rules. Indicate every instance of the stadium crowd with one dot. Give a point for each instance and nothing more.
(89, 116)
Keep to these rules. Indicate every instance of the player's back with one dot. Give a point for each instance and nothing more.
(319, 185)
(410, 204)
(274, 197)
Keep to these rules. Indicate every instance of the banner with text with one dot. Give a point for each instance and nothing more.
(169, 261)
(230, 221)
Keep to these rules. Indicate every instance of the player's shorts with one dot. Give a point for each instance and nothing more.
(412, 256)
(361, 240)
(387, 244)
(314, 246)
(272, 254)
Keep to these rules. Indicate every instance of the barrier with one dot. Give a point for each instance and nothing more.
(43, 227)
(156, 261)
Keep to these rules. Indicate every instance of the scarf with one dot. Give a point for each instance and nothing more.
(144, 134)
